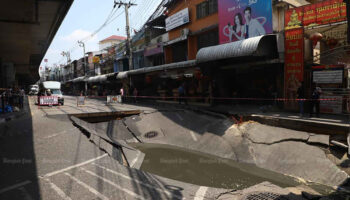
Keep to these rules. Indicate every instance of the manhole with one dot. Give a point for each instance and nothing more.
(151, 134)
(264, 196)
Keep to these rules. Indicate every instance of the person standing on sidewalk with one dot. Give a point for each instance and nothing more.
(315, 100)
(182, 93)
(21, 97)
(135, 93)
(301, 98)
(122, 94)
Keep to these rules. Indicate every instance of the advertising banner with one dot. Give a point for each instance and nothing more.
(48, 100)
(294, 64)
(316, 14)
(242, 19)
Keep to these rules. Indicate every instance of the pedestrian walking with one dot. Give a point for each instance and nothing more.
(135, 93)
(315, 100)
(21, 98)
(182, 94)
(301, 98)
(122, 94)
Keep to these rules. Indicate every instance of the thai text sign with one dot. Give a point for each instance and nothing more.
(294, 62)
(80, 100)
(239, 20)
(114, 99)
(48, 100)
(316, 14)
(333, 106)
(178, 19)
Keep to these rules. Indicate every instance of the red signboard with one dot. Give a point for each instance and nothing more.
(316, 14)
(48, 100)
(294, 63)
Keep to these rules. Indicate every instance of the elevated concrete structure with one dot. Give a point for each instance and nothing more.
(27, 30)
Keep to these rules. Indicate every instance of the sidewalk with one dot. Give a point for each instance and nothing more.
(4, 117)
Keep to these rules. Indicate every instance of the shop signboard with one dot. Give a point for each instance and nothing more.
(324, 12)
(178, 19)
(239, 20)
(294, 64)
(153, 50)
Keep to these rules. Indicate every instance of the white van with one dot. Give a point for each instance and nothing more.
(55, 88)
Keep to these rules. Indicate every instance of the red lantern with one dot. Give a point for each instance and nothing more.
(148, 79)
(332, 43)
(315, 37)
(197, 74)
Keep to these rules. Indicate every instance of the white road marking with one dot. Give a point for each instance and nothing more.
(58, 190)
(193, 136)
(135, 159)
(74, 166)
(200, 194)
(169, 194)
(115, 185)
(92, 190)
(15, 186)
(59, 133)
(179, 116)
(25, 193)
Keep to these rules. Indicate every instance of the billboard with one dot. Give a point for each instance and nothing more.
(242, 19)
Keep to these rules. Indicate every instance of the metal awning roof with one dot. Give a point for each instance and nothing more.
(177, 65)
(79, 79)
(261, 46)
(100, 78)
(122, 75)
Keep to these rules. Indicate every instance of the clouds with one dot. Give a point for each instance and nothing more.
(79, 34)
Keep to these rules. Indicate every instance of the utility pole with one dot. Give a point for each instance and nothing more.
(126, 7)
(81, 44)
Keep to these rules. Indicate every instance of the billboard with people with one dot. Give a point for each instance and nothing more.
(242, 19)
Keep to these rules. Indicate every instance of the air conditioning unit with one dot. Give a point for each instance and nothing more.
(184, 32)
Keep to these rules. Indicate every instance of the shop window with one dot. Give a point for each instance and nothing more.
(207, 8)
(208, 39)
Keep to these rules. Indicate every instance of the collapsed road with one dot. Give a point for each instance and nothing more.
(300, 156)
(143, 152)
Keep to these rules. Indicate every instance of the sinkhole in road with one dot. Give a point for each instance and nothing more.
(207, 170)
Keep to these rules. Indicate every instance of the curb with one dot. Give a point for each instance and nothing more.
(17, 115)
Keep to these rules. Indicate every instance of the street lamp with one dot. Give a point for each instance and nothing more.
(81, 44)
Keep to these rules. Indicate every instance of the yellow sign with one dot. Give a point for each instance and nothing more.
(96, 59)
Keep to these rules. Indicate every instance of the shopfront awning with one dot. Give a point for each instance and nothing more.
(100, 78)
(79, 79)
(122, 75)
(261, 46)
(177, 65)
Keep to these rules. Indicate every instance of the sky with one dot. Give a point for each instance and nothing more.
(87, 16)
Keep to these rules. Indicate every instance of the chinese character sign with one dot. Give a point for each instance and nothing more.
(316, 14)
(242, 19)
(294, 64)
